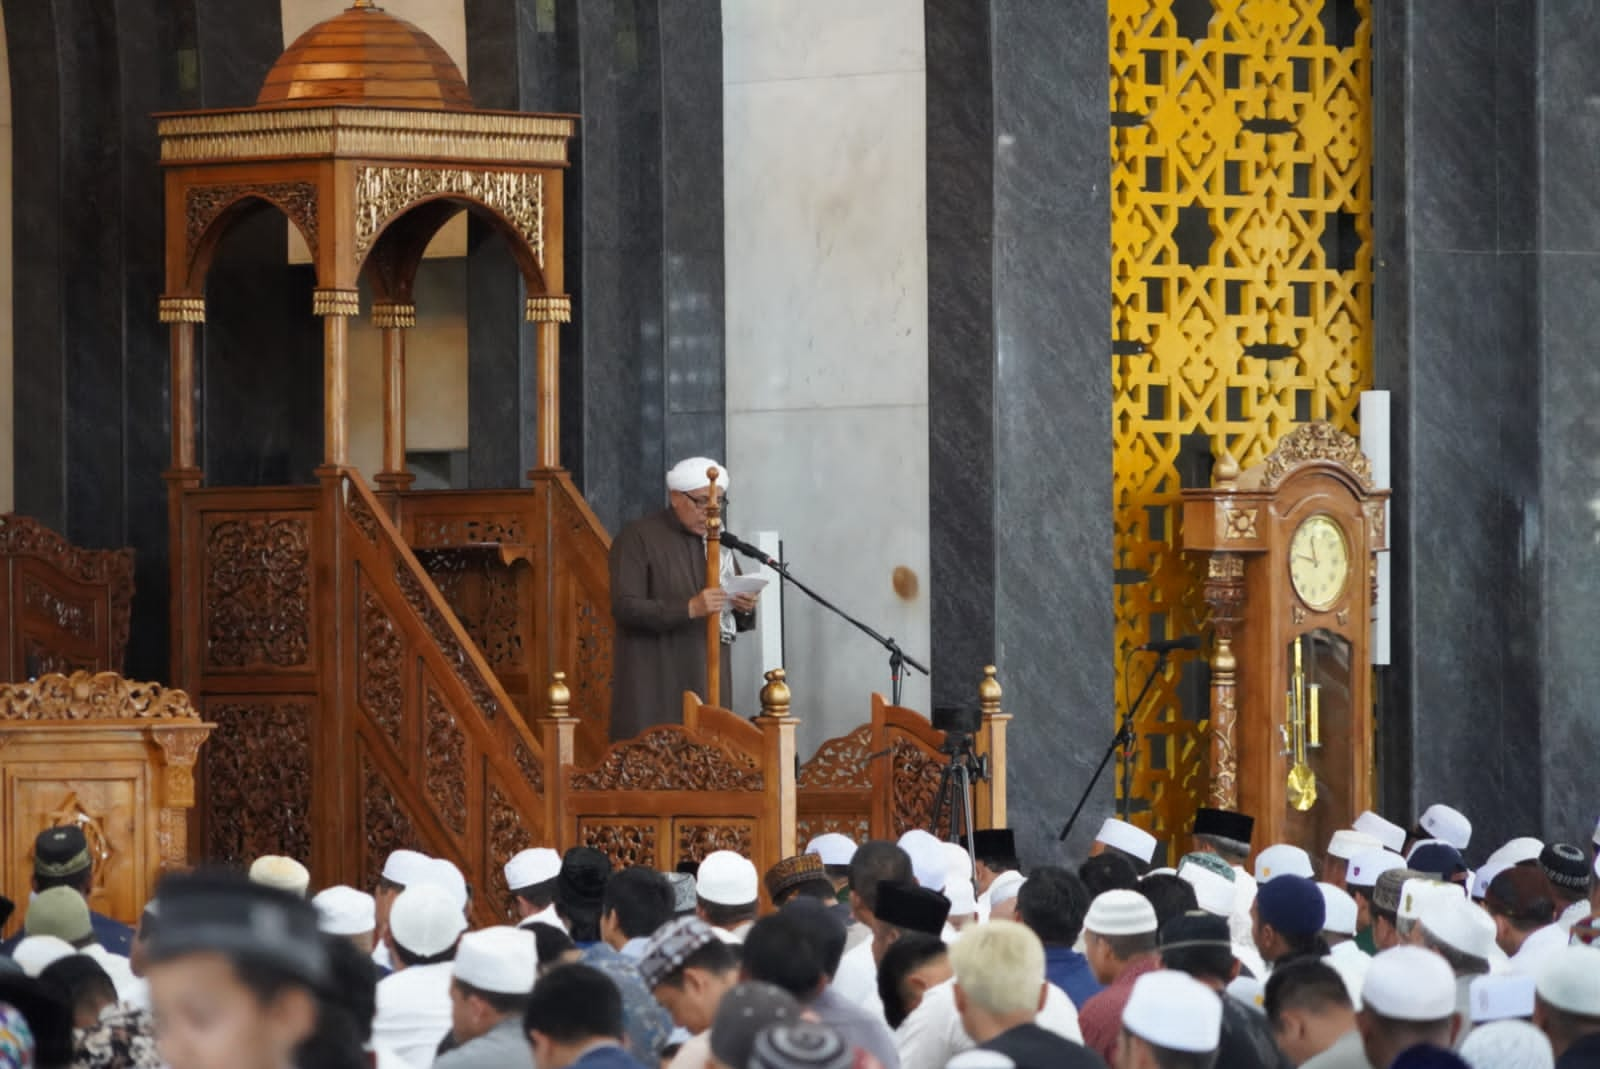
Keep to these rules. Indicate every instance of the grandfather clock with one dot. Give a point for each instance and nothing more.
(1291, 576)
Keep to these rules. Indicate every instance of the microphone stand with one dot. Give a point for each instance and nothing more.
(899, 659)
(1124, 739)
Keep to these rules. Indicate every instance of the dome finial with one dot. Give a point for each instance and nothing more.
(357, 5)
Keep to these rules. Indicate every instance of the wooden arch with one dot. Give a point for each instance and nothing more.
(395, 254)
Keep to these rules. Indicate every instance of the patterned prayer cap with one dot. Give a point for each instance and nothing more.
(671, 946)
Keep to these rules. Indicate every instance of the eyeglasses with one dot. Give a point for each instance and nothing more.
(703, 501)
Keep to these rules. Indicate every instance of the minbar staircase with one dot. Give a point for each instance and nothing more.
(375, 663)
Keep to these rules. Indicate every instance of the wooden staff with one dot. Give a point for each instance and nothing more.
(713, 581)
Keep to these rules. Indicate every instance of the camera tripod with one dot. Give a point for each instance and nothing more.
(954, 799)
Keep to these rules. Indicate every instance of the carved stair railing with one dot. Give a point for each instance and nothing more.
(441, 757)
(717, 782)
(526, 572)
(354, 714)
(882, 779)
(66, 608)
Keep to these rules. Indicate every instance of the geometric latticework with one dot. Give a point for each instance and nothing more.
(1241, 207)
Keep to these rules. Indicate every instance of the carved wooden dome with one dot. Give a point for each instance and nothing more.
(367, 57)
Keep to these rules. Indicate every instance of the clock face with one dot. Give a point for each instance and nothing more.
(1319, 562)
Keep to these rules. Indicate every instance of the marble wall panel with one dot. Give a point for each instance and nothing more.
(846, 527)
(826, 380)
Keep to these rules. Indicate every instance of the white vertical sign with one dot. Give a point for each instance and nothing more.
(1375, 444)
(771, 604)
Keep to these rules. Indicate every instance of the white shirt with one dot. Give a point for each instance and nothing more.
(1574, 913)
(1351, 963)
(694, 1054)
(129, 987)
(933, 1034)
(413, 1012)
(857, 979)
(1539, 945)
(547, 915)
(734, 935)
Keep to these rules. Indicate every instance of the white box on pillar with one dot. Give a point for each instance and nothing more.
(1375, 442)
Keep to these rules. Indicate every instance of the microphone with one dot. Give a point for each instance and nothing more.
(1167, 645)
(734, 542)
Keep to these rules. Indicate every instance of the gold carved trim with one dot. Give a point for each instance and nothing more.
(556, 309)
(182, 309)
(389, 315)
(297, 200)
(467, 137)
(384, 192)
(93, 696)
(336, 302)
(1236, 524)
(1312, 442)
(1225, 566)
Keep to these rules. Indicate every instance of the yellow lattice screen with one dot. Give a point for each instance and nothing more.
(1241, 280)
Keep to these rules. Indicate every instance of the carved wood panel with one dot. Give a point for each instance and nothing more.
(258, 779)
(508, 836)
(257, 593)
(625, 840)
(379, 679)
(696, 840)
(668, 759)
(69, 607)
(385, 827)
(444, 763)
(916, 785)
(840, 763)
(856, 827)
(486, 597)
(446, 640)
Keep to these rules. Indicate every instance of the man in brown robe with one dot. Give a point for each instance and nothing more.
(660, 601)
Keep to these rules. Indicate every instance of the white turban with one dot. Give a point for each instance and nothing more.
(689, 475)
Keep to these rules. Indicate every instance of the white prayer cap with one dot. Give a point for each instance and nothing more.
(344, 910)
(1570, 980)
(1595, 838)
(956, 858)
(441, 873)
(1417, 897)
(1447, 825)
(405, 866)
(1387, 832)
(1339, 910)
(1212, 892)
(1507, 1045)
(1005, 887)
(1500, 997)
(962, 895)
(284, 873)
(1163, 871)
(1485, 876)
(1347, 844)
(1281, 859)
(833, 848)
(37, 953)
(727, 879)
(1127, 838)
(1364, 869)
(1174, 1011)
(532, 866)
(426, 920)
(1523, 848)
(927, 858)
(1120, 913)
(689, 475)
(1248, 990)
(503, 960)
(1459, 924)
(1407, 983)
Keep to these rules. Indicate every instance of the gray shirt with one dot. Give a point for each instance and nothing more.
(855, 1027)
(1347, 1053)
(502, 1047)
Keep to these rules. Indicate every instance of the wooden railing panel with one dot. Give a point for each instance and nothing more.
(112, 756)
(65, 608)
(882, 779)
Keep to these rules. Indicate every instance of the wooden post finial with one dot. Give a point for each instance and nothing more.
(775, 695)
(989, 691)
(560, 695)
(1225, 475)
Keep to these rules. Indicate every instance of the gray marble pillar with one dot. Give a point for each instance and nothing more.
(1456, 306)
(1020, 388)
